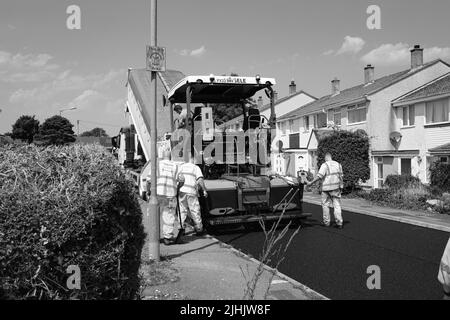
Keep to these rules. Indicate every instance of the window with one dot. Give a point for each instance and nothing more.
(291, 126)
(283, 128)
(306, 122)
(409, 116)
(406, 166)
(337, 117)
(357, 114)
(437, 111)
(321, 120)
(443, 159)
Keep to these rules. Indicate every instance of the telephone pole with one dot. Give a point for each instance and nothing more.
(153, 218)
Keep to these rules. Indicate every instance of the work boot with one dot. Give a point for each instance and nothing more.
(169, 242)
(200, 233)
(189, 230)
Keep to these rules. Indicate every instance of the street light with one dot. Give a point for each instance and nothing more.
(62, 110)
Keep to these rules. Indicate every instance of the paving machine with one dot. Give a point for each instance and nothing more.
(236, 163)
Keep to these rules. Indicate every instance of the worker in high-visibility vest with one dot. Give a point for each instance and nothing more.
(167, 183)
(189, 193)
(332, 185)
(444, 272)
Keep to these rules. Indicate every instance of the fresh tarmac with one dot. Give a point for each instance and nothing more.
(334, 262)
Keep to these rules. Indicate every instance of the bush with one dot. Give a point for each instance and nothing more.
(351, 150)
(440, 176)
(412, 197)
(396, 182)
(62, 206)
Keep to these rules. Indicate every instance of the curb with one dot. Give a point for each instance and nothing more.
(293, 282)
(410, 221)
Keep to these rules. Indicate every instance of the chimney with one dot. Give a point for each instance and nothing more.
(292, 87)
(369, 74)
(260, 102)
(416, 57)
(275, 96)
(335, 86)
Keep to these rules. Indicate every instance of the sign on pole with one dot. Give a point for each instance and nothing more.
(156, 59)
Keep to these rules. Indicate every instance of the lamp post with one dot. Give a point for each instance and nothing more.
(62, 110)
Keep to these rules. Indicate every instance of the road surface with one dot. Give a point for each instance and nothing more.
(334, 262)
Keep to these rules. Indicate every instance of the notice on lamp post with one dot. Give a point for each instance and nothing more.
(156, 59)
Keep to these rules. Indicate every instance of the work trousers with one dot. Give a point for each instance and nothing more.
(190, 206)
(168, 211)
(332, 199)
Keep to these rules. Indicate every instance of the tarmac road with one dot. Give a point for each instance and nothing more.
(334, 262)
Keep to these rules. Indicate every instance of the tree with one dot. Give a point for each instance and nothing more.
(351, 150)
(96, 132)
(56, 130)
(25, 128)
(226, 112)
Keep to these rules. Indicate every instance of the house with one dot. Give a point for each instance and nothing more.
(369, 107)
(423, 124)
(293, 101)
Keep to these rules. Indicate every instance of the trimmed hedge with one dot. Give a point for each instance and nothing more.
(401, 181)
(62, 206)
(351, 150)
(440, 176)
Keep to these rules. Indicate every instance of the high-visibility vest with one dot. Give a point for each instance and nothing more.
(166, 183)
(332, 176)
(444, 268)
(191, 174)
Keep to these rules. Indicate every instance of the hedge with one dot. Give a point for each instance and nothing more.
(440, 176)
(351, 150)
(401, 181)
(63, 206)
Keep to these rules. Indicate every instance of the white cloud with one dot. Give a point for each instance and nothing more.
(89, 98)
(388, 55)
(351, 45)
(328, 53)
(434, 53)
(66, 84)
(20, 67)
(198, 52)
(193, 53)
(399, 54)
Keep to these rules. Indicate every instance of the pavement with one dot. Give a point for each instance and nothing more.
(203, 268)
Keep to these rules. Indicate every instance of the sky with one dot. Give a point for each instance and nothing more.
(46, 67)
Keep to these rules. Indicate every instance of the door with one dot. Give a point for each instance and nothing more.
(406, 166)
(380, 172)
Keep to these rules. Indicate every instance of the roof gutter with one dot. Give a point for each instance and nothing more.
(419, 100)
(327, 107)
